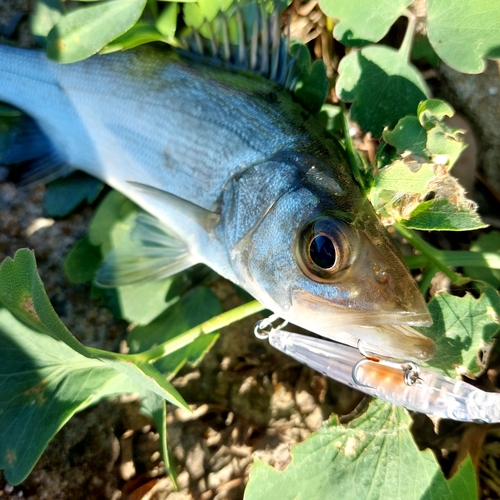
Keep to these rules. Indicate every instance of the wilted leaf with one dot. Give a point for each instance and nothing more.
(372, 457)
(462, 325)
(464, 32)
(361, 22)
(382, 85)
(86, 30)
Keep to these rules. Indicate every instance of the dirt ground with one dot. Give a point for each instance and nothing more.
(248, 399)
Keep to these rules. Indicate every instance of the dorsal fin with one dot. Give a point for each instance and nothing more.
(247, 37)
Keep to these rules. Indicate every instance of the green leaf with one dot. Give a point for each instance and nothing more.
(82, 261)
(196, 14)
(465, 32)
(432, 110)
(43, 382)
(139, 34)
(166, 23)
(330, 117)
(197, 306)
(372, 457)
(312, 83)
(408, 135)
(84, 31)
(441, 215)
(114, 207)
(361, 22)
(62, 196)
(45, 16)
(382, 85)
(21, 291)
(398, 177)
(462, 325)
(489, 242)
(422, 51)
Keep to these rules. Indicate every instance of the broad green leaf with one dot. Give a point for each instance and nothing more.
(22, 292)
(197, 306)
(441, 215)
(487, 242)
(196, 14)
(312, 83)
(431, 110)
(422, 51)
(43, 382)
(464, 32)
(62, 196)
(166, 23)
(372, 457)
(84, 31)
(382, 86)
(45, 16)
(398, 177)
(139, 34)
(408, 135)
(361, 22)
(462, 325)
(330, 117)
(82, 261)
(114, 207)
(446, 144)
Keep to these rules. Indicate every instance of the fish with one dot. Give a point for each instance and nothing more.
(231, 171)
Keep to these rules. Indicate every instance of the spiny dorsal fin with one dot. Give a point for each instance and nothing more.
(247, 37)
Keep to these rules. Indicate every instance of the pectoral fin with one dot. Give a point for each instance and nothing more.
(151, 253)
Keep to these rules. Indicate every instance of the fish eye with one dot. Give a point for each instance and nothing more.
(323, 248)
(322, 251)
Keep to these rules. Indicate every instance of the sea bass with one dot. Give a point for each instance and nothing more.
(235, 174)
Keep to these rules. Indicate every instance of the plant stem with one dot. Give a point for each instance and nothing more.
(210, 326)
(350, 150)
(457, 258)
(427, 276)
(433, 254)
(406, 46)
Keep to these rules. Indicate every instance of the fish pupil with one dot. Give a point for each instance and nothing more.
(322, 252)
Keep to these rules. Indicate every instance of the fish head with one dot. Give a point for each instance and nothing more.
(319, 257)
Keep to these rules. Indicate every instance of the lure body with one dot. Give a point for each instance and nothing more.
(243, 178)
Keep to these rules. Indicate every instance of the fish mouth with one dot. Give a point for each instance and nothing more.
(376, 333)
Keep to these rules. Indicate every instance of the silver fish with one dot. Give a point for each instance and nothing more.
(235, 174)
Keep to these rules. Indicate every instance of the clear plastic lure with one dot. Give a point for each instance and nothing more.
(403, 384)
